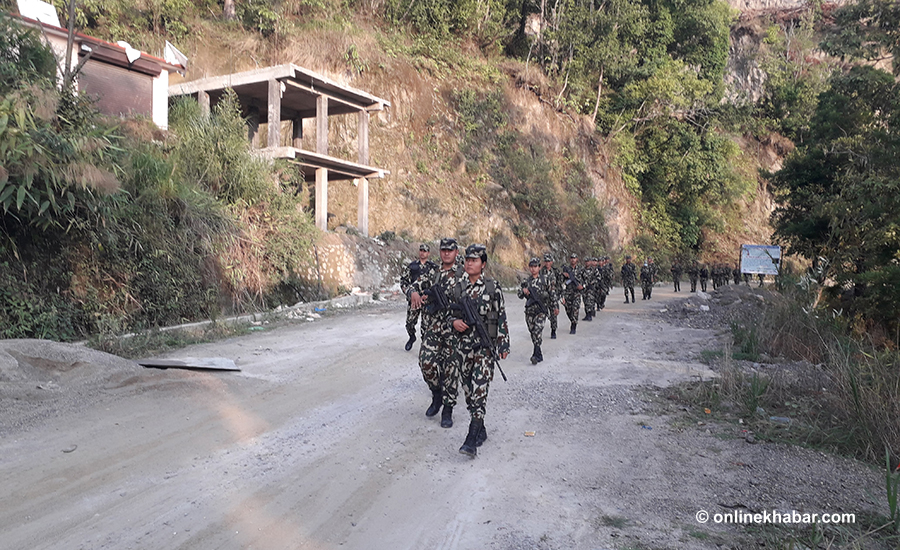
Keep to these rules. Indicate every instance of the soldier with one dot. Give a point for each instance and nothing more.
(606, 276)
(628, 276)
(747, 279)
(693, 275)
(423, 267)
(474, 362)
(704, 276)
(590, 277)
(676, 275)
(572, 287)
(736, 274)
(761, 277)
(554, 276)
(539, 303)
(648, 278)
(438, 340)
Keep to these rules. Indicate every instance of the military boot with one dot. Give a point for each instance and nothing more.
(553, 335)
(535, 355)
(447, 417)
(572, 329)
(410, 342)
(436, 403)
(538, 353)
(469, 446)
(481, 437)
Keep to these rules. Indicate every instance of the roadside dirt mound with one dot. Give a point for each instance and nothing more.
(42, 379)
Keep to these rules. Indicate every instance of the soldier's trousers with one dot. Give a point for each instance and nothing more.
(534, 319)
(627, 288)
(435, 360)
(412, 317)
(590, 301)
(693, 284)
(646, 289)
(703, 285)
(600, 297)
(573, 305)
(553, 322)
(476, 370)
(677, 282)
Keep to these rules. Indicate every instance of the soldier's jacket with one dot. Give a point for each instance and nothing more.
(646, 274)
(704, 273)
(555, 279)
(676, 271)
(693, 272)
(447, 278)
(606, 276)
(416, 270)
(540, 284)
(629, 274)
(571, 278)
(590, 277)
(490, 309)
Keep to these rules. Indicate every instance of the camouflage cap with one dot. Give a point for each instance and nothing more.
(448, 243)
(548, 257)
(476, 251)
(424, 247)
(573, 255)
(534, 262)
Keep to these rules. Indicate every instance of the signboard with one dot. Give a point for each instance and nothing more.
(760, 258)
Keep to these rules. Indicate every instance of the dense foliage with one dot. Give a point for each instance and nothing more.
(102, 229)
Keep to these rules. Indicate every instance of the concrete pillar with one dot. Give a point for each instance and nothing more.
(322, 198)
(362, 206)
(203, 100)
(253, 127)
(274, 105)
(297, 133)
(363, 137)
(322, 125)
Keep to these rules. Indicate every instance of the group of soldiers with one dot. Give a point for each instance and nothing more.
(464, 332)
(463, 316)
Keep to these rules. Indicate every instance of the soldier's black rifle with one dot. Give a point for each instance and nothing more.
(437, 299)
(533, 296)
(571, 276)
(469, 310)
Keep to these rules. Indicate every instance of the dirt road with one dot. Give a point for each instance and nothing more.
(321, 442)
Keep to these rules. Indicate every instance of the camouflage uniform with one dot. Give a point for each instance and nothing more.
(646, 281)
(536, 313)
(438, 340)
(590, 278)
(606, 276)
(554, 277)
(473, 363)
(416, 270)
(704, 276)
(676, 276)
(572, 295)
(736, 274)
(693, 274)
(629, 275)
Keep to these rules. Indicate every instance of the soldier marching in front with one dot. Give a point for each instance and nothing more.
(629, 274)
(425, 268)
(648, 278)
(472, 358)
(539, 303)
(572, 291)
(438, 340)
(554, 276)
(704, 276)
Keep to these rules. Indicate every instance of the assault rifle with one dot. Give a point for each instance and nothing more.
(571, 276)
(533, 296)
(471, 317)
(437, 299)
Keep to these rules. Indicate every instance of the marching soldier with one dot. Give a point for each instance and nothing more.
(538, 304)
(704, 276)
(438, 340)
(693, 275)
(423, 267)
(648, 277)
(572, 288)
(676, 275)
(590, 277)
(473, 360)
(554, 277)
(606, 276)
(629, 274)
(736, 274)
